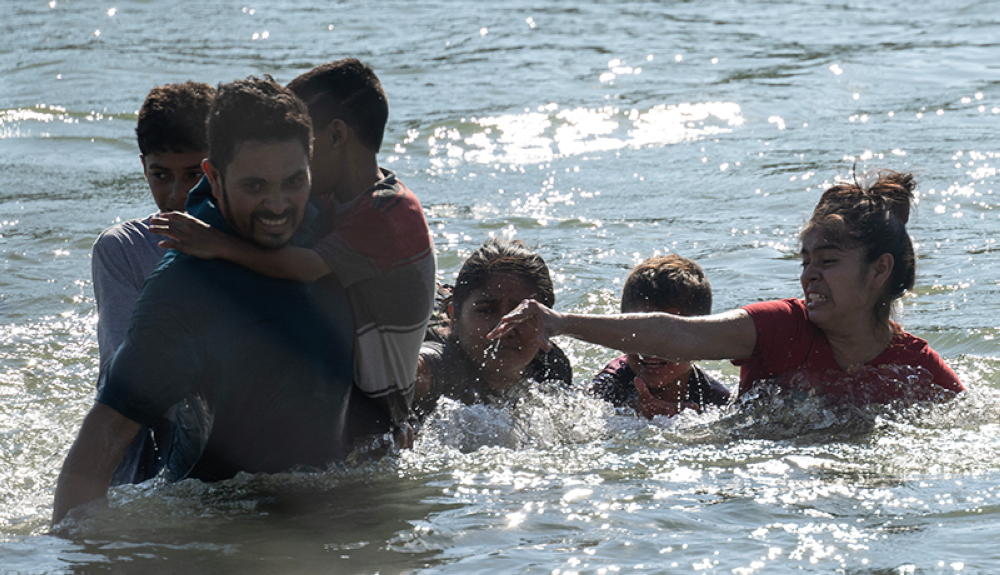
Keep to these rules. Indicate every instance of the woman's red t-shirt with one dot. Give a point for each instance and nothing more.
(794, 350)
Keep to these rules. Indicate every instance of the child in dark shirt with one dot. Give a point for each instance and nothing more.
(650, 385)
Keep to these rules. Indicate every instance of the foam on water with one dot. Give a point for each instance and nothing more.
(542, 417)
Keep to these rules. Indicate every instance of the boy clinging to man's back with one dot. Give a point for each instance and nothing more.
(377, 242)
(649, 385)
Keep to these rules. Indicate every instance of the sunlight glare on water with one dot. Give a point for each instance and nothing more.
(550, 132)
(600, 134)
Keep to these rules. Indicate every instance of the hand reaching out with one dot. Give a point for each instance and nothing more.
(188, 234)
(533, 315)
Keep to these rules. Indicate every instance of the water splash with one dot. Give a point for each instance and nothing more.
(531, 416)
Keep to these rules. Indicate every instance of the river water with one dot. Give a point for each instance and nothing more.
(600, 133)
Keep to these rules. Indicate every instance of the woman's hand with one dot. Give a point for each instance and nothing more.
(650, 406)
(535, 316)
(189, 235)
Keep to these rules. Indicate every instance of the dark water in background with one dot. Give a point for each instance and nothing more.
(599, 132)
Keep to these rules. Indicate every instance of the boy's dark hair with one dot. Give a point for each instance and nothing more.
(498, 256)
(254, 109)
(668, 282)
(349, 91)
(172, 118)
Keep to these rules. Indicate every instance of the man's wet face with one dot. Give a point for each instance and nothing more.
(263, 191)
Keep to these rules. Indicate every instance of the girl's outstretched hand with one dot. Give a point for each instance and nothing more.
(533, 315)
(188, 234)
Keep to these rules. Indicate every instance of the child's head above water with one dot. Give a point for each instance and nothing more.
(492, 282)
(667, 283)
(171, 132)
(867, 217)
(670, 284)
(498, 256)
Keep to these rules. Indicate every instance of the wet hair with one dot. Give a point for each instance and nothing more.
(349, 91)
(254, 109)
(498, 256)
(872, 215)
(669, 281)
(172, 118)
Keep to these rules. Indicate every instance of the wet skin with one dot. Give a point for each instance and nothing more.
(503, 360)
(836, 284)
(665, 380)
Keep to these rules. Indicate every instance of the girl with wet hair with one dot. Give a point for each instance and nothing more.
(460, 362)
(838, 339)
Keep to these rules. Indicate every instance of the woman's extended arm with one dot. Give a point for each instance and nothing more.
(728, 335)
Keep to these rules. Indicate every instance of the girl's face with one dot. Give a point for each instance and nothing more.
(840, 288)
(502, 360)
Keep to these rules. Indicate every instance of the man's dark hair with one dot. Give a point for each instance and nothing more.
(668, 282)
(349, 91)
(172, 118)
(254, 109)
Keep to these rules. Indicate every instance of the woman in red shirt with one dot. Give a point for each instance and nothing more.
(857, 260)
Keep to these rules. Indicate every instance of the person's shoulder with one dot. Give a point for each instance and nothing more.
(187, 280)
(908, 349)
(128, 245)
(614, 382)
(391, 196)
(907, 344)
(449, 370)
(124, 232)
(433, 351)
(386, 225)
(552, 365)
(793, 306)
(173, 267)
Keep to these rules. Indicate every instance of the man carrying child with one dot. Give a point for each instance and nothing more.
(271, 358)
(377, 243)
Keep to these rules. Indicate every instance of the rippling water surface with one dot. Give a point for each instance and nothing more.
(600, 133)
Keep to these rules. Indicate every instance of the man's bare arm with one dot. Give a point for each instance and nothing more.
(194, 237)
(103, 440)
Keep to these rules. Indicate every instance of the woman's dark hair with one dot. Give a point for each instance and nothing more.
(498, 256)
(872, 215)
